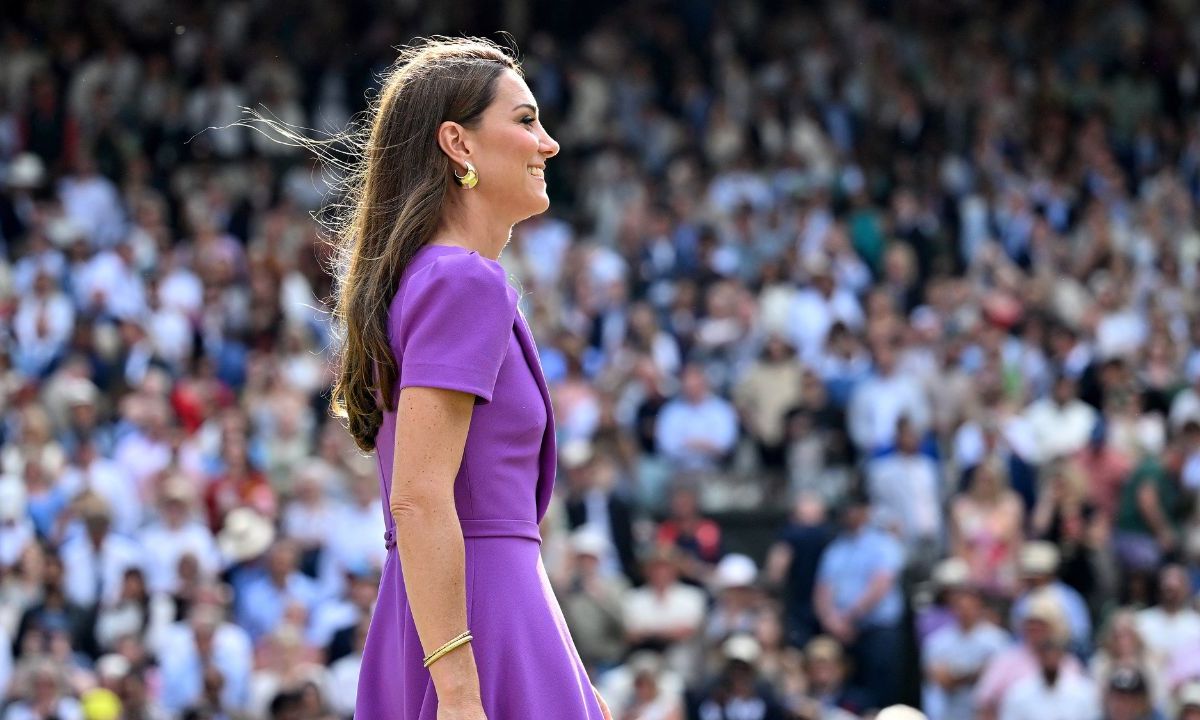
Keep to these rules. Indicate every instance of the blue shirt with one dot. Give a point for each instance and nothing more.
(263, 604)
(852, 561)
(679, 421)
(1079, 621)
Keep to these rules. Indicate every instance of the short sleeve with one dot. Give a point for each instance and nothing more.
(456, 317)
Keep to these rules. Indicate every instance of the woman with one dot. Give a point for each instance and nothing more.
(440, 376)
(1065, 516)
(985, 528)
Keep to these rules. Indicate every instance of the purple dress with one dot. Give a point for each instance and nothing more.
(454, 324)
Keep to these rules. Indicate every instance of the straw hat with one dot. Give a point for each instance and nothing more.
(246, 535)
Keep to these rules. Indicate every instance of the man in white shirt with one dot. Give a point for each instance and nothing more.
(177, 533)
(814, 310)
(1172, 624)
(665, 614)
(1061, 423)
(95, 560)
(42, 326)
(878, 403)
(1056, 691)
(906, 495)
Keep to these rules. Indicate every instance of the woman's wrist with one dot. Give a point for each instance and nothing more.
(456, 677)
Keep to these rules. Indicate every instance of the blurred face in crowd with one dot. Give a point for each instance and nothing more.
(645, 686)
(824, 672)
(695, 384)
(967, 606)
(1064, 390)
(661, 574)
(363, 590)
(884, 355)
(777, 349)
(133, 585)
(587, 564)
(684, 504)
(854, 516)
(97, 525)
(907, 439)
(282, 560)
(1050, 654)
(509, 149)
(1173, 587)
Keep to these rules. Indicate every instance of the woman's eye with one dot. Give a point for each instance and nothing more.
(528, 120)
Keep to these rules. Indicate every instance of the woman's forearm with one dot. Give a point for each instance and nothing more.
(430, 545)
(431, 432)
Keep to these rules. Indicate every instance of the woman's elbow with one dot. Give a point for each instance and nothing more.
(408, 508)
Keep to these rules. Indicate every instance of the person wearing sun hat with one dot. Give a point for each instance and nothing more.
(1039, 563)
(665, 614)
(1043, 624)
(591, 599)
(177, 532)
(737, 606)
(739, 685)
(956, 654)
(96, 559)
(1056, 685)
(245, 535)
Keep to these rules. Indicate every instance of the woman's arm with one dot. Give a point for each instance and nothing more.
(431, 432)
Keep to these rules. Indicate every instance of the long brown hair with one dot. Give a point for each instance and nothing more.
(392, 204)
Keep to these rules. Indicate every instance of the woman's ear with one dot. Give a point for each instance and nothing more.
(452, 139)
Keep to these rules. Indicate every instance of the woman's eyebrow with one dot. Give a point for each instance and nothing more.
(527, 105)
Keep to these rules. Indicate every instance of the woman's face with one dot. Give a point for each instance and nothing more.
(510, 150)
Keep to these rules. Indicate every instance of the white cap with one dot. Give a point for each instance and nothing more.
(742, 647)
(26, 171)
(900, 712)
(589, 541)
(734, 570)
(951, 573)
(1039, 557)
(575, 453)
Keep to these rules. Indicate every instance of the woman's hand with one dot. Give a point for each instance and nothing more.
(603, 705)
(462, 711)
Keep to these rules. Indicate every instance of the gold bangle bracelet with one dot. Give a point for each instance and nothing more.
(453, 643)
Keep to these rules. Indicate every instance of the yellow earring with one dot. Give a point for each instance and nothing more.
(470, 180)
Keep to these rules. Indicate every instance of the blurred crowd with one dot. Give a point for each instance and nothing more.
(919, 278)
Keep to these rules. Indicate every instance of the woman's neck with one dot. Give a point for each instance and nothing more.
(465, 223)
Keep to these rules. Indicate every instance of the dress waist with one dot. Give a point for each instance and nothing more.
(526, 529)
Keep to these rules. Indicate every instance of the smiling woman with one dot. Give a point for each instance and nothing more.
(440, 377)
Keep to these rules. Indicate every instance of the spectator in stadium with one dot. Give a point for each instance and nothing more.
(696, 430)
(858, 598)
